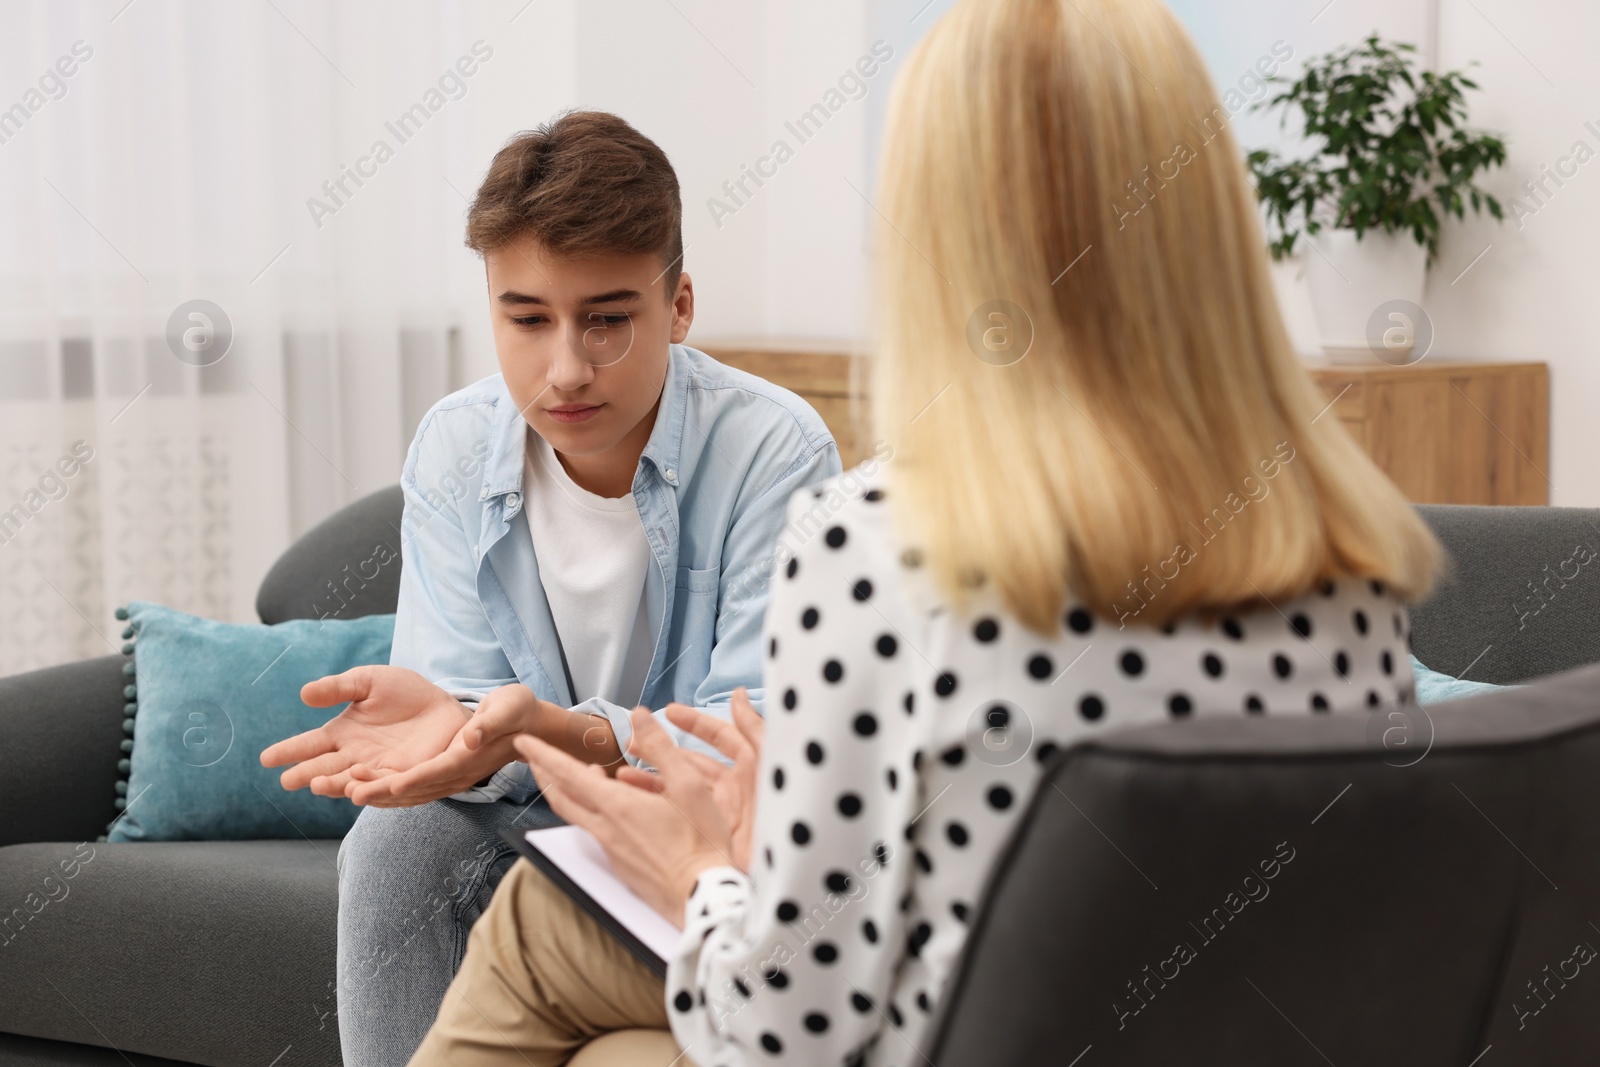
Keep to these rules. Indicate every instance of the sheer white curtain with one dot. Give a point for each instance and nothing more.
(160, 153)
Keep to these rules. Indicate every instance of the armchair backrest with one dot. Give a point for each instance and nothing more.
(1302, 890)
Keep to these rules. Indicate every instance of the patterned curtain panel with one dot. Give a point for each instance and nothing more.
(221, 315)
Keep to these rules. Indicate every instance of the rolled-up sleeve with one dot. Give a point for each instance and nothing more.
(440, 630)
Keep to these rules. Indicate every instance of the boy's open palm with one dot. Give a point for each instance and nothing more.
(396, 719)
(481, 746)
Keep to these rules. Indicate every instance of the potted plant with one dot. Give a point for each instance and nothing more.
(1392, 159)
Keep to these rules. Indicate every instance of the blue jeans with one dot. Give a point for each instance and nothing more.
(412, 881)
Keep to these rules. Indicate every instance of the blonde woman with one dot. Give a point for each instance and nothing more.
(1121, 508)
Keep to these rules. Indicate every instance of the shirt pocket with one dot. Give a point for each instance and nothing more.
(699, 581)
(694, 624)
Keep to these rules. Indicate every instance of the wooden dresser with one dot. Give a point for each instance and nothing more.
(1447, 433)
(1450, 433)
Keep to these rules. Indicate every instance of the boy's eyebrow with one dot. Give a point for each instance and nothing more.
(615, 296)
(510, 297)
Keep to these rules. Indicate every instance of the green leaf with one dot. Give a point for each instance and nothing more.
(1386, 142)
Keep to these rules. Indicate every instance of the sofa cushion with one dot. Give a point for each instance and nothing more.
(207, 698)
(1522, 595)
(1436, 687)
(216, 953)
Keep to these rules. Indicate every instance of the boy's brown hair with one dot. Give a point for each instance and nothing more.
(583, 184)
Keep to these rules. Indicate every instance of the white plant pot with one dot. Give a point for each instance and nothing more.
(1367, 296)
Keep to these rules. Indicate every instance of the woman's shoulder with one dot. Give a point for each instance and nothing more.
(842, 529)
(829, 511)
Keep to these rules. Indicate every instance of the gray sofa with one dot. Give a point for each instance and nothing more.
(223, 953)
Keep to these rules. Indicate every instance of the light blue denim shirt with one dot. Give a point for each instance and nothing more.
(726, 452)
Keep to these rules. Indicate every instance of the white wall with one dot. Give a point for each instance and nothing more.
(533, 76)
(1532, 297)
(715, 81)
(1529, 297)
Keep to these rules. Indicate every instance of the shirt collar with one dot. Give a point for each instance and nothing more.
(666, 437)
(503, 471)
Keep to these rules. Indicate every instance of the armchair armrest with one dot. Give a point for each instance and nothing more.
(60, 740)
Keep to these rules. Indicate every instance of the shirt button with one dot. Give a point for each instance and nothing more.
(513, 501)
(670, 475)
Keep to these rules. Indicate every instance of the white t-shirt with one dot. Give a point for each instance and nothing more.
(593, 561)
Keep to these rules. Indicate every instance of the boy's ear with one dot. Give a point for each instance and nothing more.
(682, 309)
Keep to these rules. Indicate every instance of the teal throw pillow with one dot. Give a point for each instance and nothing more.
(1434, 688)
(204, 698)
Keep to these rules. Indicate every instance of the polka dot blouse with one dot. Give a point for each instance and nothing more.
(903, 742)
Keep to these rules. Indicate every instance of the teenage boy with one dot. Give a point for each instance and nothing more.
(588, 530)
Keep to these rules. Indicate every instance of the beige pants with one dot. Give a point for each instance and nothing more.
(542, 980)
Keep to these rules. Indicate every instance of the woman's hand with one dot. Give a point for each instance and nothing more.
(733, 787)
(659, 839)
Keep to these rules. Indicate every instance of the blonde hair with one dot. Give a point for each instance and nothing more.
(1158, 448)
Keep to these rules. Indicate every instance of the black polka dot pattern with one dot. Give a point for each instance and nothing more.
(888, 791)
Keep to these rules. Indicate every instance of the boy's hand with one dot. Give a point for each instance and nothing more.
(396, 719)
(481, 746)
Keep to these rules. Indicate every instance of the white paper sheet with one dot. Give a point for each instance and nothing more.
(581, 858)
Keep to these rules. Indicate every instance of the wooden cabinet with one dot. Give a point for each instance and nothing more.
(1447, 433)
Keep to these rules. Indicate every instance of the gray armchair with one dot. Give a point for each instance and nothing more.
(223, 953)
(1303, 896)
